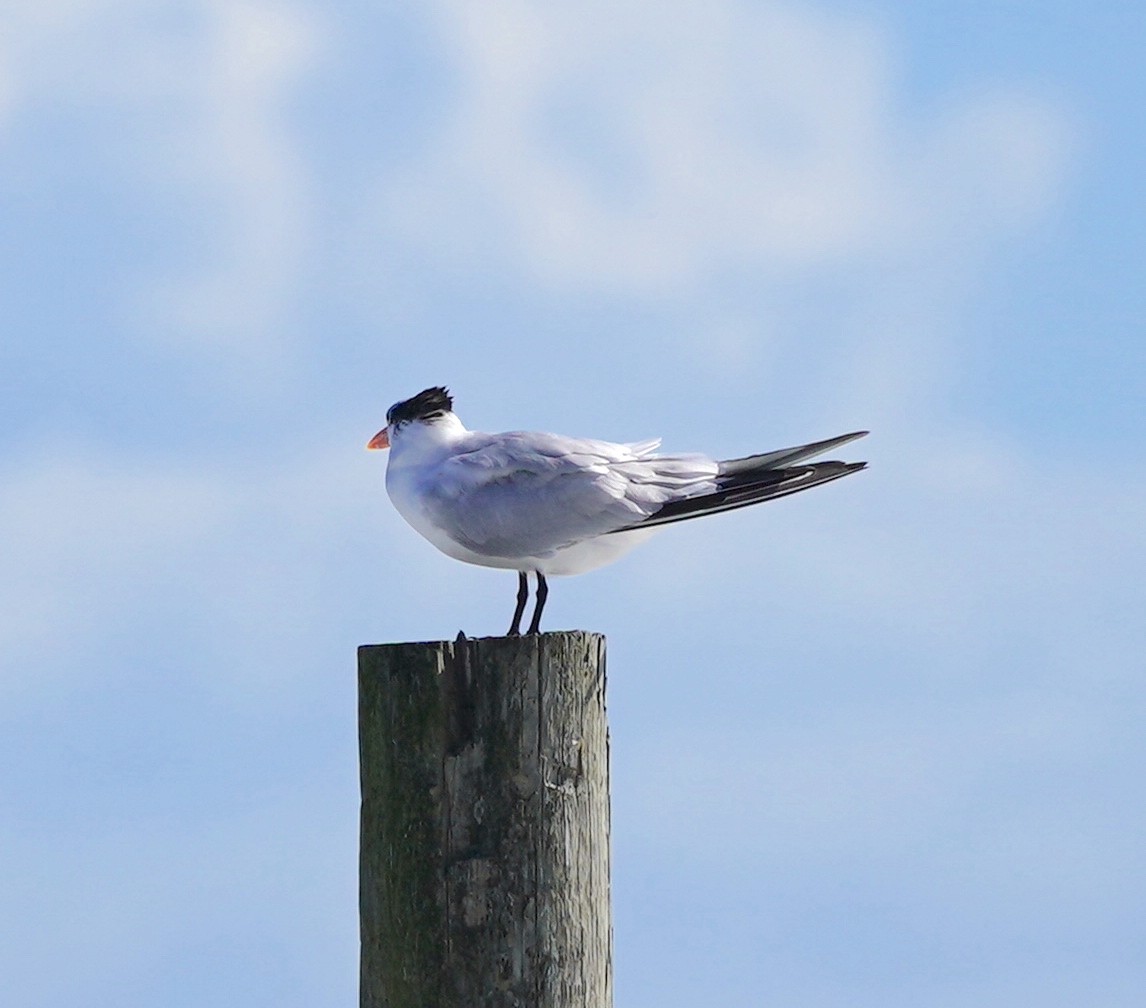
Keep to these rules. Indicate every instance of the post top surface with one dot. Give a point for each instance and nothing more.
(553, 636)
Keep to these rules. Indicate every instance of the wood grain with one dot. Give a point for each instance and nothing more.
(484, 871)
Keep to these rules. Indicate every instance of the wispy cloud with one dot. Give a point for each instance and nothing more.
(703, 165)
(235, 154)
(182, 111)
(611, 151)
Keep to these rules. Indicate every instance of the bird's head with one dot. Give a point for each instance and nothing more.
(426, 409)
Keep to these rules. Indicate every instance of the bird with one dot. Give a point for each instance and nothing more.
(550, 505)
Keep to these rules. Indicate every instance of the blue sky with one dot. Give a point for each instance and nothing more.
(875, 745)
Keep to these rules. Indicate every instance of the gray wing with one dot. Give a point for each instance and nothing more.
(525, 494)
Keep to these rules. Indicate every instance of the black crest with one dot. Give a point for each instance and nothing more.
(427, 405)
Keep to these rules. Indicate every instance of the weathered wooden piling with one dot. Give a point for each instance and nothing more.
(484, 868)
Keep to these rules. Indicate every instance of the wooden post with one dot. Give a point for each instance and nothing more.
(484, 868)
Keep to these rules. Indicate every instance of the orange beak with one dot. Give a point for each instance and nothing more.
(380, 440)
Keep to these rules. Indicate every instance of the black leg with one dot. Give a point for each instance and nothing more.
(542, 595)
(522, 598)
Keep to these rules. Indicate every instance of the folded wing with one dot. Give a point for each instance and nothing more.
(528, 495)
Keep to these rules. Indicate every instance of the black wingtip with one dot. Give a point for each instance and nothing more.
(746, 469)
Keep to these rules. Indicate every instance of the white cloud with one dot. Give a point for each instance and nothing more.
(188, 105)
(235, 152)
(90, 542)
(633, 149)
(84, 542)
(636, 149)
(1000, 157)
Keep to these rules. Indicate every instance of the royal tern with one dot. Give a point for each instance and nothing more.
(548, 504)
